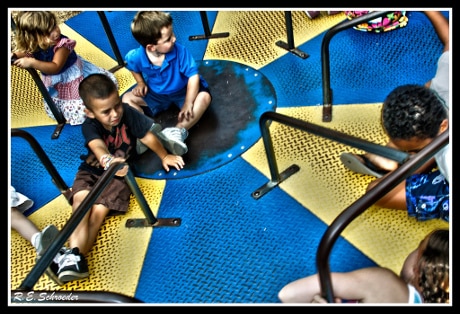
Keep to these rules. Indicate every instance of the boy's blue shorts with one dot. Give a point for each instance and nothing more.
(427, 196)
(161, 102)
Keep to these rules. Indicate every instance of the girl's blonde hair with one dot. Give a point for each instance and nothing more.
(33, 29)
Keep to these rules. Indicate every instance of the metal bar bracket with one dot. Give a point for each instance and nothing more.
(161, 222)
(207, 31)
(264, 189)
(289, 46)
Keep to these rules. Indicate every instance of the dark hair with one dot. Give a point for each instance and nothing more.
(146, 26)
(432, 273)
(96, 86)
(413, 111)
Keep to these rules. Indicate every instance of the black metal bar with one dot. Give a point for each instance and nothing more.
(277, 177)
(41, 87)
(112, 41)
(289, 46)
(207, 30)
(205, 22)
(289, 29)
(340, 137)
(51, 104)
(84, 207)
(326, 74)
(359, 206)
(131, 181)
(69, 227)
(264, 124)
(56, 177)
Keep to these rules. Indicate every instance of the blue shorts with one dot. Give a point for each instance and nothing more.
(160, 102)
(427, 196)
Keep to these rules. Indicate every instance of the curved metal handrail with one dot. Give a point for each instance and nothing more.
(47, 257)
(359, 206)
(61, 121)
(277, 177)
(41, 265)
(326, 73)
(56, 177)
(408, 164)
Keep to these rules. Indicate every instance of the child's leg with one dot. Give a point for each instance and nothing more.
(80, 235)
(86, 232)
(96, 218)
(22, 224)
(200, 105)
(151, 104)
(174, 137)
(134, 101)
(73, 265)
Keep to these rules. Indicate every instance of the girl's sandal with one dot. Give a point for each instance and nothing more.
(361, 164)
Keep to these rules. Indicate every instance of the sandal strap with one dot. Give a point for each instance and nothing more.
(373, 167)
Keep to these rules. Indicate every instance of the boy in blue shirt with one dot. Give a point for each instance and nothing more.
(166, 74)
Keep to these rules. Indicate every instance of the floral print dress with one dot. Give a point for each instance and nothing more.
(63, 86)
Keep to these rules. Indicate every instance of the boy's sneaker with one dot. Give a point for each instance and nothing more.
(173, 140)
(72, 266)
(45, 239)
(53, 268)
(141, 148)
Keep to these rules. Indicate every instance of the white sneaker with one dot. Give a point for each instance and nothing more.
(46, 237)
(173, 140)
(56, 264)
(20, 201)
(141, 148)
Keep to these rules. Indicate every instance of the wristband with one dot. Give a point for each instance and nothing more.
(106, 160)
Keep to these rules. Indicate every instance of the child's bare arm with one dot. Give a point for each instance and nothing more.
(441, 26)
(141, 88)
(48, 67)
(152, 142)
(104, 157)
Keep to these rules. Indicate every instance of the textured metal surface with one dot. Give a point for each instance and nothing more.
(326, 187)
(253, 35)
(231, 248)
(116, 259)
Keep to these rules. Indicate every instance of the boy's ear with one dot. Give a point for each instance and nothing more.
(89, 113)
(444, 126)
(150, 47)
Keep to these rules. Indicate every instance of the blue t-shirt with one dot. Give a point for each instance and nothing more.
(178, 66)
(414, 295)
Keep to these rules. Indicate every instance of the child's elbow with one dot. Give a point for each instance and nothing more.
(284, 295)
